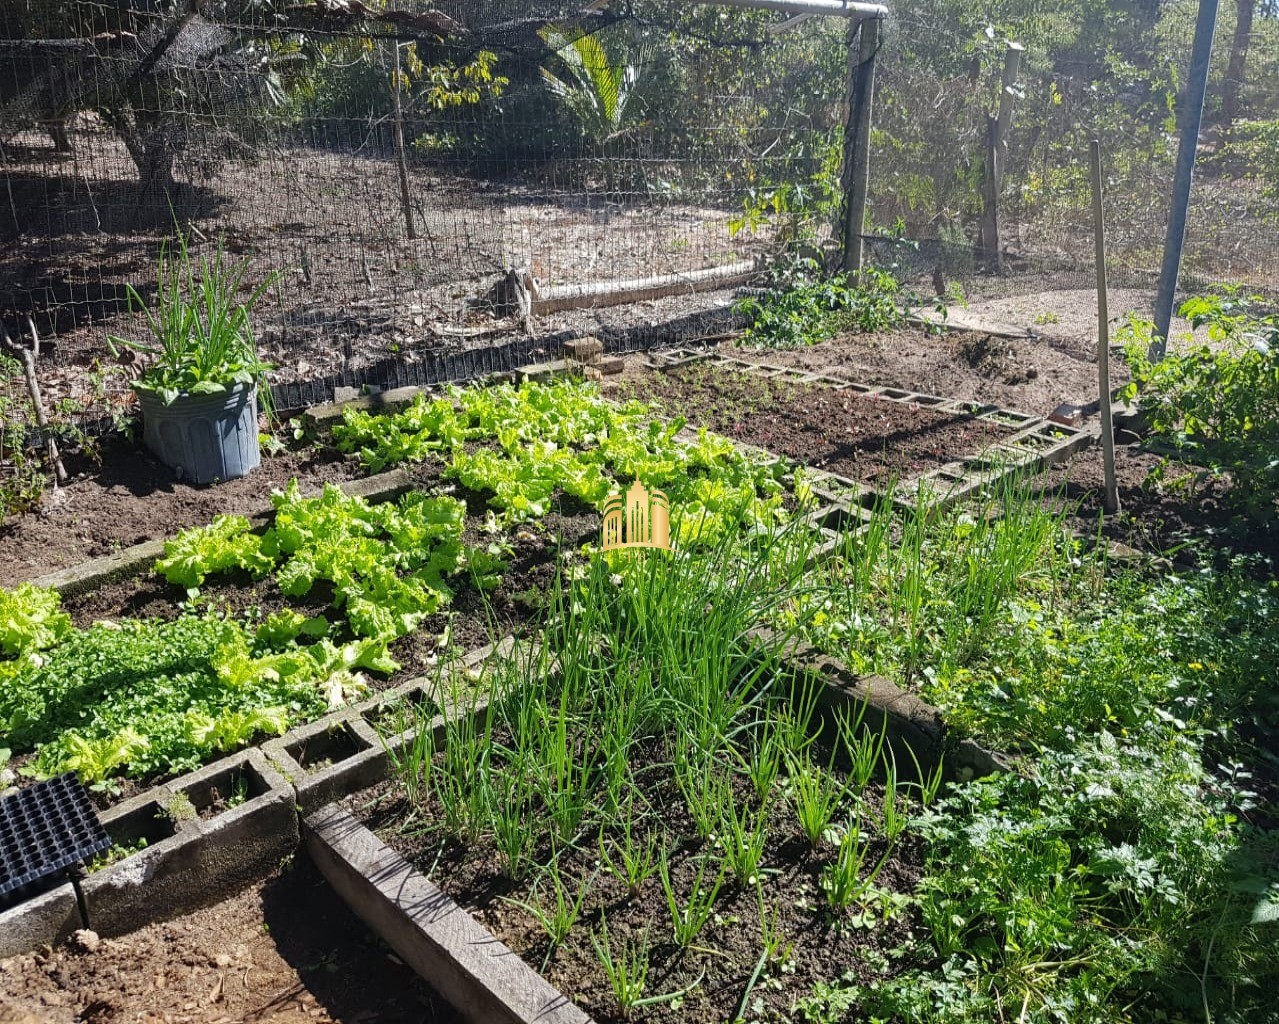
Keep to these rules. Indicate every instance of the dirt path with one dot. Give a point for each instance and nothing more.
(1071, 315)
(286, 951)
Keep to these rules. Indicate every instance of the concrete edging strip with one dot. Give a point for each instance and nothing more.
(461, 959)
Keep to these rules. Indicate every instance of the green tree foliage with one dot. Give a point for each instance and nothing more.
(601, 88)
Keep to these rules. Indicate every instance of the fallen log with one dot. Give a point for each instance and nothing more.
(595, 294)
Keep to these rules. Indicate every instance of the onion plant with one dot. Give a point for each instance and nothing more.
(817, 794)
(689, 917)
(202, 339)
(634, 856)
(556, 912)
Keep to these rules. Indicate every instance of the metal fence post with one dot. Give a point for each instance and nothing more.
(857, 140)
(1187, 149)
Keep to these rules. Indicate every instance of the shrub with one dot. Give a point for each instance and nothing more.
(1219, 404)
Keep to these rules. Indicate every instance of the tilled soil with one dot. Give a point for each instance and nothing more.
(128, 497)
(285, 951)
(717, 967)
(1032, 376)
(866, 439)
(1188, 512)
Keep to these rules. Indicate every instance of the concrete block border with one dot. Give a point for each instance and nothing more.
(207, 835)
(466, 963)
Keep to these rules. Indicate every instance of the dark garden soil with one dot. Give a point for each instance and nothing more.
(1027, 375)
(1185, 516)
(127, 497)
(865, 439)
(285, 951)
(718, 965)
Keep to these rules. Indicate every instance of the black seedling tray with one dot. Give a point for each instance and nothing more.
(44, 829)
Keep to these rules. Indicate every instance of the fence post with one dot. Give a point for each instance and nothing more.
(861, 83)
(1187, 149)
(997, 153)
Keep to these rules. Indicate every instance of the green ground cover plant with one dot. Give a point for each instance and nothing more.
(1124, 870)
(142, 697)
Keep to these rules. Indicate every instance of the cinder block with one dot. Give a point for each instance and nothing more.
(913, 729)
(1067, 415)
(584, 350)
(330, 758)
(321, 417)
(545, 371)
(612, 366)
(200, 861)
(43, 920)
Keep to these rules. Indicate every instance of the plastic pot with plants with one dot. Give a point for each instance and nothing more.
(199, 389)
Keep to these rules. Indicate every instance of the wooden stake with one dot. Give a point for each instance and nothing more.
(27, 357)
(1103, 333)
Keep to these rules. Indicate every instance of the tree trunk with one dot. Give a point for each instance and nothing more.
(1237, 68)
(58, 133)
(152, 151)
(401, 159)
(155, 173)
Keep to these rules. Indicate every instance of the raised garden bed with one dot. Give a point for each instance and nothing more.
(338, 595)
(712, 822)
(834, 427)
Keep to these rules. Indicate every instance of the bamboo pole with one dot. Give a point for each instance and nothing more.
(1103, 332)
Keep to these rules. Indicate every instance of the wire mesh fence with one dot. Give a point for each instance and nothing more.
(413, 178)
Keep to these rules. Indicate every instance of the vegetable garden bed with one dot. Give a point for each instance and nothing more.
(656, 812)
(833, 428)
(241, 634)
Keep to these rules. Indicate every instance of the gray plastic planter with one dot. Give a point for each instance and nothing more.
(206, 438)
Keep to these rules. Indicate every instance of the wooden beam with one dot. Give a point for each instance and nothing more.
(861, 82)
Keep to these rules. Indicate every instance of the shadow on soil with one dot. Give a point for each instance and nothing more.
(350, 972)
